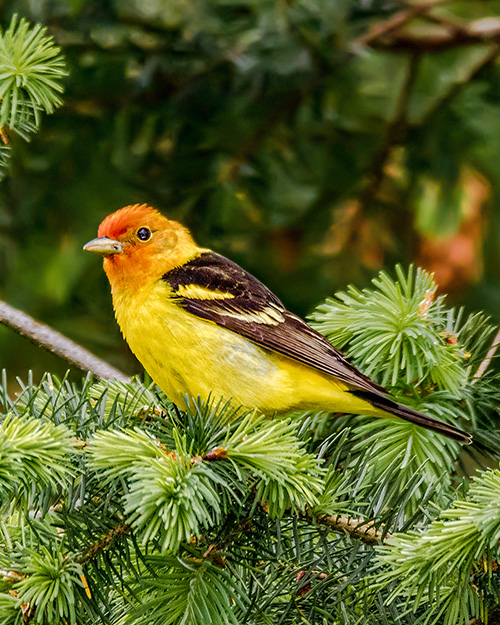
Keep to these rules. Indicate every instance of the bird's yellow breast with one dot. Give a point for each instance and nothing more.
(188, 356)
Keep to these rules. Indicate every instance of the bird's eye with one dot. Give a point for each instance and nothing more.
(144, 234)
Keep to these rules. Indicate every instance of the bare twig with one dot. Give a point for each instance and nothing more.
(394, 33)
(380, 30)
(399, 126)
(358, 529)
(489, 356)
(43, 336)
(355, 528)
(442, 39)
(396, 130)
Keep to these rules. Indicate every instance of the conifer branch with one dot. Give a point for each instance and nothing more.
(32, 68)
(53, 341)
(237, 511)
(98, 547)
(31, 73)
(456, 88)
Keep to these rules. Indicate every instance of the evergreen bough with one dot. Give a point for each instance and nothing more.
(31, 70)
(119, 508)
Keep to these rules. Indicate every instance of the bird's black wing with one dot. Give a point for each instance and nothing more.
(216, 289)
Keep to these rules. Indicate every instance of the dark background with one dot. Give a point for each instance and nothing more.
(288, 135)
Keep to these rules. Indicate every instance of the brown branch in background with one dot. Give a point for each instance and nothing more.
(395, 133)
(395, 34)
(381, 30)
(446, 38)
(53, 341)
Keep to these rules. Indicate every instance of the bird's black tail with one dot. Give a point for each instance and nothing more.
(408, 414)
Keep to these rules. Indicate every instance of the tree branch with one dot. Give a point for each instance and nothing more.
(394, 35)
(396, 131)
(489, 356)
(480, 32)
(53, 341)
(358, 529)
(379, 31)
(95, 549)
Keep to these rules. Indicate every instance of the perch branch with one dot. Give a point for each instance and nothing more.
(53, 341)
(362, 530)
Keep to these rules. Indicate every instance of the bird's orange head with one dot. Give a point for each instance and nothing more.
(139, 245)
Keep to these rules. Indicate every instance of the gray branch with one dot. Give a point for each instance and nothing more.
(53, 341)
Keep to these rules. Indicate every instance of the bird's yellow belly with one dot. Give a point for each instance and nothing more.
(189, 357)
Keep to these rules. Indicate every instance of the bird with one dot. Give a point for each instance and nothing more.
(203, 327)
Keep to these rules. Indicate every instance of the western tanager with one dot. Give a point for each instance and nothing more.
(201, 325)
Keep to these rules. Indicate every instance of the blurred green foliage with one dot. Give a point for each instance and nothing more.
(284, 133)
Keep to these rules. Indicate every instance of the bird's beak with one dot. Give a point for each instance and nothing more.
(104, 246)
